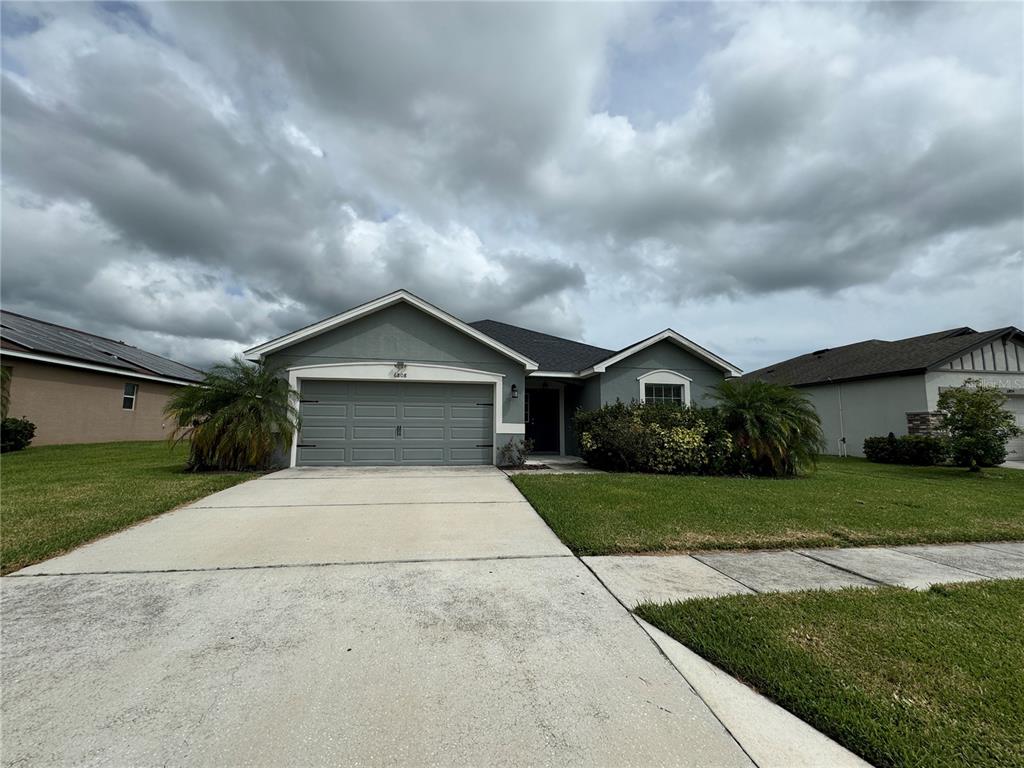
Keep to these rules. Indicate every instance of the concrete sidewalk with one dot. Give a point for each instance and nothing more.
(636, 579)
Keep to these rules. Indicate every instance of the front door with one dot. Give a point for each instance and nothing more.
(542, 419)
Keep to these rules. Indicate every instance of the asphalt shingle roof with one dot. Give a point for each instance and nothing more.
(551, 353)
(57, 340)
(867, 359)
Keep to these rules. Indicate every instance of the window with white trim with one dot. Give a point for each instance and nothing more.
(131, 392)
(664, 386)
(664, 393)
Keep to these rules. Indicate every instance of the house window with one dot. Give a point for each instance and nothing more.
(664, 393)
(131, 391)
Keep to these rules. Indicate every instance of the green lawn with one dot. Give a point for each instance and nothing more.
(901, 678)
(53, 498)
(846, 502)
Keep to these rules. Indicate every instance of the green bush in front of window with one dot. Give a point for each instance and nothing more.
(655, 437)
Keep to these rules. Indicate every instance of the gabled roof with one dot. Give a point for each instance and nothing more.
(370, 307)
(671, 336)
(30, 338)
(552, 353)
(874, 357)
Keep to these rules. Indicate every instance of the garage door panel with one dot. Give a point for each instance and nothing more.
(361, 455)
(325, 432)
(423, 433)
(320, 408)
(358, 423)
(315, 389)
(312, 457)
(364, 432)
(423, 455)
(374, 411)
(470, 412)
(423, 411)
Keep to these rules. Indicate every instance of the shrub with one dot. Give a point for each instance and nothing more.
(514, 453)
(659, 438)
(923, 450)
(775, 429)
(978, 427)
(16, 434)
(920, 450)
(236, 418)
(882, 450)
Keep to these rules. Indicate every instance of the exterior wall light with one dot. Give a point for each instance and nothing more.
(515, 392)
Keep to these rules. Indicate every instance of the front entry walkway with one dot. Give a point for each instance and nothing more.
(636, 579)
(340, 617)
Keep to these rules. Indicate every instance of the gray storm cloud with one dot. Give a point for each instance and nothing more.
(209, 175)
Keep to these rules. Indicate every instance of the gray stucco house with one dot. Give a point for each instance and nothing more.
(876, 387)
(400, 381)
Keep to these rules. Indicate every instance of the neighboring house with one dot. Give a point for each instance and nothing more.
(80, 388)
(400, 381)
(876, 387)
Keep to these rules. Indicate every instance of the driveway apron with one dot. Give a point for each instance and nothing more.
(411, 616)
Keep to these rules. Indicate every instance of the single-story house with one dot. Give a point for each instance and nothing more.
(77, 387)
(400, 381)
(876, 387)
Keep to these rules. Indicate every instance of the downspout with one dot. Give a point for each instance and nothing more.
(841, 444)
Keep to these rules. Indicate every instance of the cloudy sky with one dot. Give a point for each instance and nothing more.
(766, 179)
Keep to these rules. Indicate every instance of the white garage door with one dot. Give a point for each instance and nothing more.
(391, 422)
(1015, 446)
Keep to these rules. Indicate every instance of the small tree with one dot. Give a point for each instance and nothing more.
(236, 418)
(978, 426)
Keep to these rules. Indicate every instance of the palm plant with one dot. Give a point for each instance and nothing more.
(775, 428)
(236, 418)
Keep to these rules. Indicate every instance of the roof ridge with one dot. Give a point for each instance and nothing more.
(539, 333)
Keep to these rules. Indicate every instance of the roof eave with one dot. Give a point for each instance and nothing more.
(667, 335)
(72, 362)
(864, 377)
(335, 321)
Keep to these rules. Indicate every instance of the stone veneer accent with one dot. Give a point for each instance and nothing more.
(923, 422)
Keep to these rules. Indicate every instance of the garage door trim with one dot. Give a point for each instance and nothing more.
(392, 371)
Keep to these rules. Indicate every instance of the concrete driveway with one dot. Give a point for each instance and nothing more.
(374, 617)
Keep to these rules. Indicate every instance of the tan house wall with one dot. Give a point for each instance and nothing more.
(72, 405)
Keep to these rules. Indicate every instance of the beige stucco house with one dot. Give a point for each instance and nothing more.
(80, 388)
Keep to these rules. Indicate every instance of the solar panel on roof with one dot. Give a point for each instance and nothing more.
(44, 337)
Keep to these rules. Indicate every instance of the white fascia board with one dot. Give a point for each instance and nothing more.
(122, 372)
(555, 374)
(256, 353)
(667, 335)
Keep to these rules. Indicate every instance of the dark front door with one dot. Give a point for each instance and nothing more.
(542, 419)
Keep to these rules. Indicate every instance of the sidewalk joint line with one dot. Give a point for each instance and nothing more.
(806, 553)
(939, 562)
(728, 576)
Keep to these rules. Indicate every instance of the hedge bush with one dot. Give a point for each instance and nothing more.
(662, 438)
(920, 450)
(16, 434)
